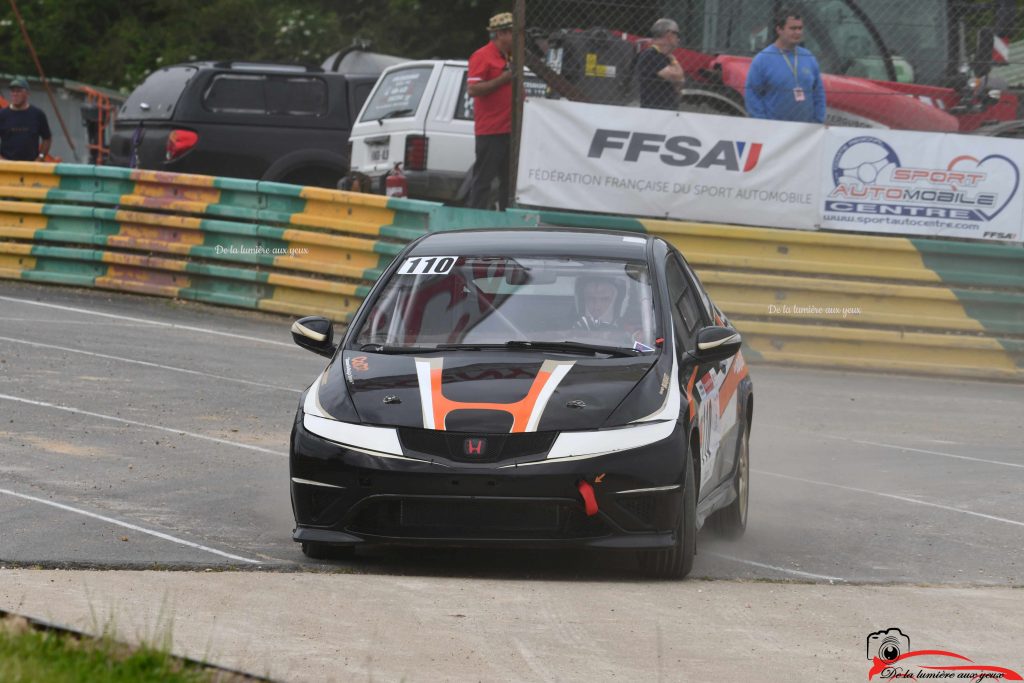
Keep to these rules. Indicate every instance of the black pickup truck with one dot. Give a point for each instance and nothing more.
(276, 122)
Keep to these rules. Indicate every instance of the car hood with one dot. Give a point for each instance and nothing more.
(484, 391)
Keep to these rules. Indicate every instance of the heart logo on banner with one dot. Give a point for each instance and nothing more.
(1002, 175)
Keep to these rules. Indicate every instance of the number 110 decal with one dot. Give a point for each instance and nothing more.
(428, 265)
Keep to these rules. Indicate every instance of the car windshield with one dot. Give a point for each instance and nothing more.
(482, 301)
(158, 94)
(398, 93)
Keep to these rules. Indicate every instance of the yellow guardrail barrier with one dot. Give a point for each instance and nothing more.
(836, 300)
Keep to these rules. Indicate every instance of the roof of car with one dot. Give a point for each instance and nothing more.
(239, 65)
(534, 242)
(429, 62)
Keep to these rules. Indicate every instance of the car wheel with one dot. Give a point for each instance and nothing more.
(324, 551)
(314, 176)
(731, 521)
(677, 562)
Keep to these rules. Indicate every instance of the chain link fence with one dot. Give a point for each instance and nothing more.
(933, 65)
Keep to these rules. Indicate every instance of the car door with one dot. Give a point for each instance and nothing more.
(689, 315)
(729, 371)
(450, 124)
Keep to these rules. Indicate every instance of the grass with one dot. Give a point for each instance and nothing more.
(28, 655)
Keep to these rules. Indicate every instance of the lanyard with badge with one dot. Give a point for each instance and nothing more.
(798, 92)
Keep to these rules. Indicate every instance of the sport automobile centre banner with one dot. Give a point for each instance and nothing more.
(649, 162)
(912, 183)
(684, 166)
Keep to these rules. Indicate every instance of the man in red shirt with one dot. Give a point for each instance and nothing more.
(489, 83)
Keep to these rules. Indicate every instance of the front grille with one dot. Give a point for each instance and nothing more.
(477, 516)
(476, 519)
(641, 507)
(496, 447)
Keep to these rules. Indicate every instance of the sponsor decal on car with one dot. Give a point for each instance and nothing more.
(526, 412)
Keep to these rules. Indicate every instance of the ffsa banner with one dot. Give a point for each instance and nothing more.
(648, 162)
(910, 183)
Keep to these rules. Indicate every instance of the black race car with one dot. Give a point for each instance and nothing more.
(562, 388)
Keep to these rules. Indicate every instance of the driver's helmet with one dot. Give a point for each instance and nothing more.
(598, 302)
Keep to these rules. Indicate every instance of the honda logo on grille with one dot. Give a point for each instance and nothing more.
(474, 446)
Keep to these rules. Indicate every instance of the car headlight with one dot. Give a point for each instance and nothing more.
(578, 445)
(328, 413)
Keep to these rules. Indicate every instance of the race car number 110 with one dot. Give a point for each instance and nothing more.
(432, 265)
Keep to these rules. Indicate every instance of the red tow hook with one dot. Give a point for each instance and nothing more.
(587, 494)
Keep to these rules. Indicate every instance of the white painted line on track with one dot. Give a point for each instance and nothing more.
(179, 432)
(152, 365)
(158, 323)
(762, 565)
(70, 322)
(894, 497)
(133, 527)
(927, 452)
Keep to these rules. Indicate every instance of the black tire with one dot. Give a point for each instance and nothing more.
(710, 103)
(677, 562)
(324, 551)
(731, 521)
(314, 176)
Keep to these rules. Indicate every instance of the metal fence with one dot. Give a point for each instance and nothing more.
(910, 64)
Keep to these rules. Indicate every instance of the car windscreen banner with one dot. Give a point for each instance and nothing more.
(665, 164)
(911, 183)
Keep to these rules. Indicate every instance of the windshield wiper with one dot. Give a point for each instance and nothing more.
(571, 346)
(394, 115)
(395, 350)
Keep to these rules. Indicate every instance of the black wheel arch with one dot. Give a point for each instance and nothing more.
(306, 158)
(716, 97)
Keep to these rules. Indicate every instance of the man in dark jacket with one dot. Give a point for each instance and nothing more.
(24, 130)
(661, 77)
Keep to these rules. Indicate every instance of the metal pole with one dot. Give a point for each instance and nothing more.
(42, 76)
(518, 50)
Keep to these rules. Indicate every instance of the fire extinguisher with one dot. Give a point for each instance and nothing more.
(395, 184)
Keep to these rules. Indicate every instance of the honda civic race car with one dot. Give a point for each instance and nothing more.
(536, 388)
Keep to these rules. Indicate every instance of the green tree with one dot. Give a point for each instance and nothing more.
(115, 43)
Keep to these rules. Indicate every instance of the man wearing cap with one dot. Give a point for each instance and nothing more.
(659, 73)
(24, 130)
(489, 83)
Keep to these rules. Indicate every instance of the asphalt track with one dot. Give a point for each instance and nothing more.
(138, 432)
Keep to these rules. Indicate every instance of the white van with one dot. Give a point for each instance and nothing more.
(418, 114)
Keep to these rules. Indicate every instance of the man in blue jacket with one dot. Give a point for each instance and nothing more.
(784, 81)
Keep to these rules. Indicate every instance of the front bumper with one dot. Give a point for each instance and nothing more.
(348, 497)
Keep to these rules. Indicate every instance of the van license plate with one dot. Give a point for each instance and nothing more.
(379, 153)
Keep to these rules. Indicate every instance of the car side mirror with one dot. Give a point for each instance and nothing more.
(716, 343)
(316, 334)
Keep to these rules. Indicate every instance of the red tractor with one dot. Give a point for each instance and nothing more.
(911, 64)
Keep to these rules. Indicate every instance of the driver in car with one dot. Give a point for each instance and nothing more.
(600, 301)
(597, 298)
